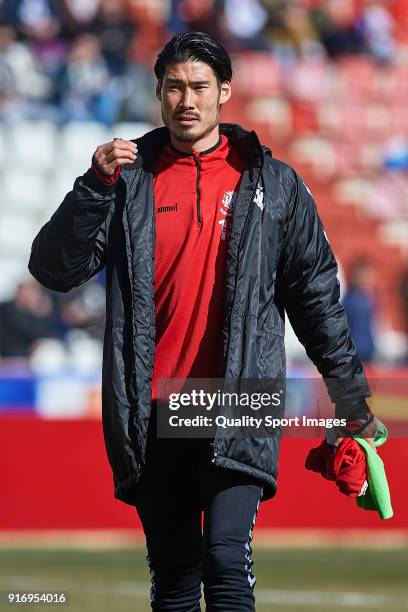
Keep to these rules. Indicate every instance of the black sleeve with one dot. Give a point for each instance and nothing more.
(70, 248)
(310, 293)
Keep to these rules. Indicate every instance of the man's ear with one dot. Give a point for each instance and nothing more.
(158, 90)
(225, 92)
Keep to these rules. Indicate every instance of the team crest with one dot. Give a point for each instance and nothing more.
(259, 198)
(227, 208)
(228, 200)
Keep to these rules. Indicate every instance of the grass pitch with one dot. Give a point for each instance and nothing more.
(295, 580)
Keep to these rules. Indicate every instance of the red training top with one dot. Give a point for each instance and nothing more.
(194, 198)
(194, 195)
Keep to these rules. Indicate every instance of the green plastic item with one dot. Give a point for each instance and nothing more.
(377, 497)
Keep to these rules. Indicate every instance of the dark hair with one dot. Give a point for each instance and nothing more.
(195, 46)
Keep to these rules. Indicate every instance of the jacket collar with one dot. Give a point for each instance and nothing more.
(246, 142)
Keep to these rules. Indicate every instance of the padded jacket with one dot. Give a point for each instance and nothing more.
(278, 259)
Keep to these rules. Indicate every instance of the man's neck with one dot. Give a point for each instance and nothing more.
(209, 141)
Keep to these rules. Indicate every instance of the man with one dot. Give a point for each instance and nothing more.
(207, 239)
(360, 306)
(29, 317)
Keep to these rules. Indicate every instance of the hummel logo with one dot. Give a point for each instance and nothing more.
(171, 208)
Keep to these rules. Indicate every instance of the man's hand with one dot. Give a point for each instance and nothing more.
(368, 432)
(109, 156)
(369, 440)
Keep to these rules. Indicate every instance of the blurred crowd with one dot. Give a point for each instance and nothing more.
(36, 318)
(92, 60)
(67, 60)
(35, 314)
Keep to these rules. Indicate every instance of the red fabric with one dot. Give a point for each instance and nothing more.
(347, 466)
(105, 178)
(190, 259)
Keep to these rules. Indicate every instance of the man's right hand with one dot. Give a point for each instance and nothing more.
(109, 156)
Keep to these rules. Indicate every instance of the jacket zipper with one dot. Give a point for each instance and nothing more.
(129, 256)
(233, 306)
(198, 166)
(212, 444)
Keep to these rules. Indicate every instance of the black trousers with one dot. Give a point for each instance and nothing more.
(198, 520)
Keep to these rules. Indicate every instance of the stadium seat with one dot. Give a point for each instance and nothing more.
(356, 76)
(348, 157)
(354, 190)
(315, 153)
(25, 192)
(17, 231)
(401, 82)
(32, 144)
(131, 130)
(304, 117)
(47, 358)
(13, 271)
(63, 180)
(386, 85)
(372, 156)
(378, 120)
(275, 111)
(257, 74)
(79, 140)
(396, 232)
(399, 118)
(329, 117)
(388, 199)
(309, 80)
(84, 353)
(2, 144)
(392, 346)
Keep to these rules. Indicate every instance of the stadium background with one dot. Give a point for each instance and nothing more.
(325, 85)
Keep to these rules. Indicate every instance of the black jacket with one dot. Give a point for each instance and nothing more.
(278, 259)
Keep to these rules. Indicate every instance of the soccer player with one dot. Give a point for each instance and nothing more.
(207, 241)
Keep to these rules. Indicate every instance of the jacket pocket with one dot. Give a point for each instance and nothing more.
(274, 322)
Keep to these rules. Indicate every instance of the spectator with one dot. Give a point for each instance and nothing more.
(291, 32)
(175, 24)
(33, 19)
(244, 21)
(396, 154)
(29, 317)
(115, 33)
(84, 308)
(404, 301)
(150, 22)
(24, 89)
(77, 15)
(337, 27)
(377, 28)
(359, 305)
(138, 104)
(87, 91)
(38, 24)
(201, 15)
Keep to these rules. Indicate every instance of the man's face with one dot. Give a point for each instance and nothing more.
(190, 100)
